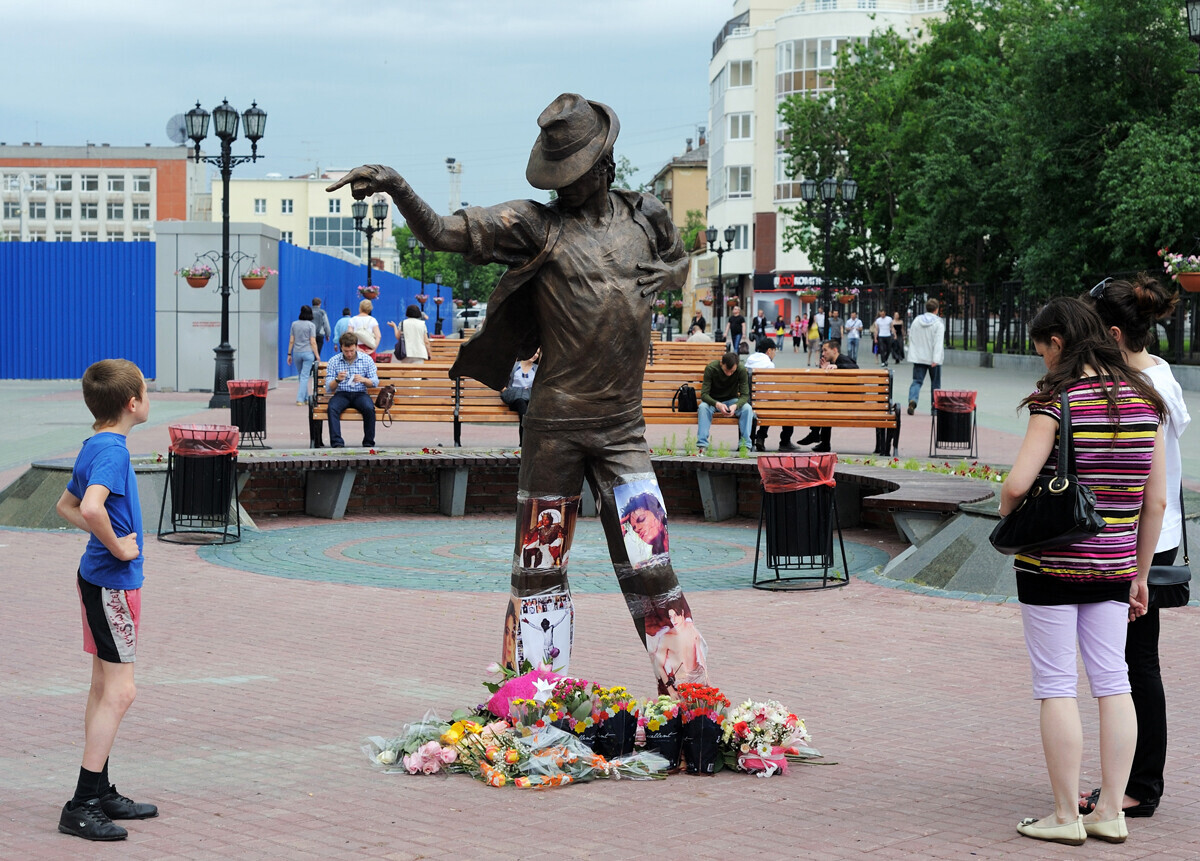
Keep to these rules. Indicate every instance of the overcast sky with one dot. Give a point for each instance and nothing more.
(398, 82)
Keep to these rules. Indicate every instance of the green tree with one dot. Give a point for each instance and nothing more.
(856, 133)
(692, 228)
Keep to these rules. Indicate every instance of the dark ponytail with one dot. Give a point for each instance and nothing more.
(1134, 307)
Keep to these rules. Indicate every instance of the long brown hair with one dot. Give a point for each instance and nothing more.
(1085, 343)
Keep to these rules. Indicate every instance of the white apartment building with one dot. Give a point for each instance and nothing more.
(308, 216)
(94, 193)
(769, 50)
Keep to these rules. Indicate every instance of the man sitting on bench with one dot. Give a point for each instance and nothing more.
(351, 371)
(831, 357)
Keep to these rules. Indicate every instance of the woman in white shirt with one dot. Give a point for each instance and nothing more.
(1131, 311)
(366, 327)
(415, 335)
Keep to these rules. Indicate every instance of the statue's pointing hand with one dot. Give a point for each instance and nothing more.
(662, 276)
(367, 180)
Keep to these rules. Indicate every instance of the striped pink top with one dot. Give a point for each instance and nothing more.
(1115, 463)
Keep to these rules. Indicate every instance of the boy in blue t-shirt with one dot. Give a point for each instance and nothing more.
(102, 499)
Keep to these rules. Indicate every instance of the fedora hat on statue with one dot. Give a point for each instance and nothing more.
(575, 133)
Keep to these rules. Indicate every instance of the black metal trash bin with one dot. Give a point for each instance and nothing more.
(248, 411)
(799, 514)
(202, 485)
(953, 423)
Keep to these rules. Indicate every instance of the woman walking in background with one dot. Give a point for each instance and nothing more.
(302, 346)
(1090, 589)
(812, 340)
(1131, 311)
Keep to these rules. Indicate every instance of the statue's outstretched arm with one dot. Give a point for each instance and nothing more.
(437, 232)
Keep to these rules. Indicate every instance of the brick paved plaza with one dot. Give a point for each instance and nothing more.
(263, 665)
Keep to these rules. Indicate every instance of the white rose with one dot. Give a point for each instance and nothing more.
(386, 757)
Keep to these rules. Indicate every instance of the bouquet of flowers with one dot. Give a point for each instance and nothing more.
(662, 723)
(418, 749)
(1174, 264)
(760, 738)
(616, 715)
(574, 698)
(703, 713)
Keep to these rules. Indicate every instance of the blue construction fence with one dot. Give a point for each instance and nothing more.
(69, 304)
(305, 275)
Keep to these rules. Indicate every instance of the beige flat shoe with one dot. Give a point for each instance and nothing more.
(1110, 830)
(1071, 833)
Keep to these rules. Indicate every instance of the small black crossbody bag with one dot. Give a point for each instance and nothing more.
(1170, 585)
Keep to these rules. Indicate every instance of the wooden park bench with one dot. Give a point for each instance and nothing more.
(424, 393)
(699, 352)
(820, 397)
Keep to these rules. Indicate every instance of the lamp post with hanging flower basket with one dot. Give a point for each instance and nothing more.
(225, 121)
(847, 296)
(257, 276)
(196, 275)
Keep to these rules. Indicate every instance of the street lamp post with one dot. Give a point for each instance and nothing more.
(413, 244)
(829, 190)
(225, 124)
(379, 211)
(466, 289)
(1193, 24)
(718, 295)
(437, 326)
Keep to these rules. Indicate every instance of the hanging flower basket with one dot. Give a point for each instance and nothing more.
(438, 300)
(252, 283)
(732, 300)
(197, 274)
(846, 298)
(197, 280)
(458, 303)
(1189, 281)
(371, 292)
(808, 297)
(422, 298)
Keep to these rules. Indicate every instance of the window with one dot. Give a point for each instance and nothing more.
(739, 127)
(62, 211)
(116, 211)
(89, 210)
(867, 4)
(12, 182)
(335, 206)
(825, 5)
(12, 209)
(741, 239)
(260, 206)
(118, 236)
(141, 236)
(62, 236)
(141, 212)
(285, 236)
(116, 183)
(37, 182)
(89, 236)
(37, 236)
(63, 181)
(37, 209)
(738, 183)
(141, 183)
(334, 233)
(741, 73)
(89, 182)
(285, 206)
(806, 66)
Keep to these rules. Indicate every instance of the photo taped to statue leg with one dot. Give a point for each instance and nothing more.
(545, 629)
(639, 504)
(545, 527)
(677, 650)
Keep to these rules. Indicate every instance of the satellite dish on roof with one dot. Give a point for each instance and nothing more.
(176, 129)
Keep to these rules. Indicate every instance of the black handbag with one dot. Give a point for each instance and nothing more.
(1170, 585)
(1057, 510)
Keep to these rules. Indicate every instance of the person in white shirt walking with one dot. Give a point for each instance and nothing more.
(853, 335)
(926, 351)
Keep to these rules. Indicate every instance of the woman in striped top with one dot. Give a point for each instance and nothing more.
(1130, 310)
(1088, 590)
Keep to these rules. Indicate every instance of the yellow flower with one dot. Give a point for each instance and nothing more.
(579, 727)
(451, 736)
(473, 728)
(654, 724)
(511, 756)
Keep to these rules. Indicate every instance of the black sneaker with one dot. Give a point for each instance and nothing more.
(88, 820)
(117, 806)
(912, 407)
(759, 445)
(787, 446)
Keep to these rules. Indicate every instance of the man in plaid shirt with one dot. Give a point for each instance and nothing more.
(351, 371)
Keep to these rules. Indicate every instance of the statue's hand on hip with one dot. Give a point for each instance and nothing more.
(662, 276)
(369, 179)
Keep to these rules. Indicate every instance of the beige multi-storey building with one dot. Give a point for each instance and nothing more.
(769, 50)
(681, 185)
(306, 215)
(95, 193)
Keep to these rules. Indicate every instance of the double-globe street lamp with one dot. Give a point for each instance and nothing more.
(437, 300)
(719, 293)
(225, 124)
(828, 189)
(379, 211)
(415, 245)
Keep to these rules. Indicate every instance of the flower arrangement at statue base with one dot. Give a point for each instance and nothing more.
(540, 730)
